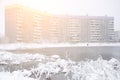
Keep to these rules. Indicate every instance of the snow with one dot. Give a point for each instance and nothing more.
(8, 57)
(13, 76)
(15, 46)
(52, 66)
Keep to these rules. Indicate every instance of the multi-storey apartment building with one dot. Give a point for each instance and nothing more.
(18, 26)
(100, 29)
(117, 36)
(89, 29)
(23, 24)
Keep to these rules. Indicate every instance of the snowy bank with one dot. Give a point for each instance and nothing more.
(18, 46)
(55, 68)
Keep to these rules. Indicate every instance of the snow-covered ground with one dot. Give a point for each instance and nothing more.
(55, 68)
(15, 46)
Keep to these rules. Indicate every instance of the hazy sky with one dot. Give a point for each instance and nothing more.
(71, 7)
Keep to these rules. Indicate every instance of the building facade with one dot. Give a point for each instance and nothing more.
(23, 24)
(117, 36)
(89, 29)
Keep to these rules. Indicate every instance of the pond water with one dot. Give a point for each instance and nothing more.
(78, 53)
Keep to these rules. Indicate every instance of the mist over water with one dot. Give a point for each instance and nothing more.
(77, 53)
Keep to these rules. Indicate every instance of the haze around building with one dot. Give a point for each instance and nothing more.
(70, 7)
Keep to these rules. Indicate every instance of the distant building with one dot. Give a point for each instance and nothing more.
(117, 36)
(17, 23)
(89, 29)
(23, 24)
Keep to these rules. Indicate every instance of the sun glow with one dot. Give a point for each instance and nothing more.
(51, 6)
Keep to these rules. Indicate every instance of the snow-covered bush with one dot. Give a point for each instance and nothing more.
(49, 67)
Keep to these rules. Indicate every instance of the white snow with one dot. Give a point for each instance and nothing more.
(84, 70)
(16, 75)
(8, 57)
(15, 46)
